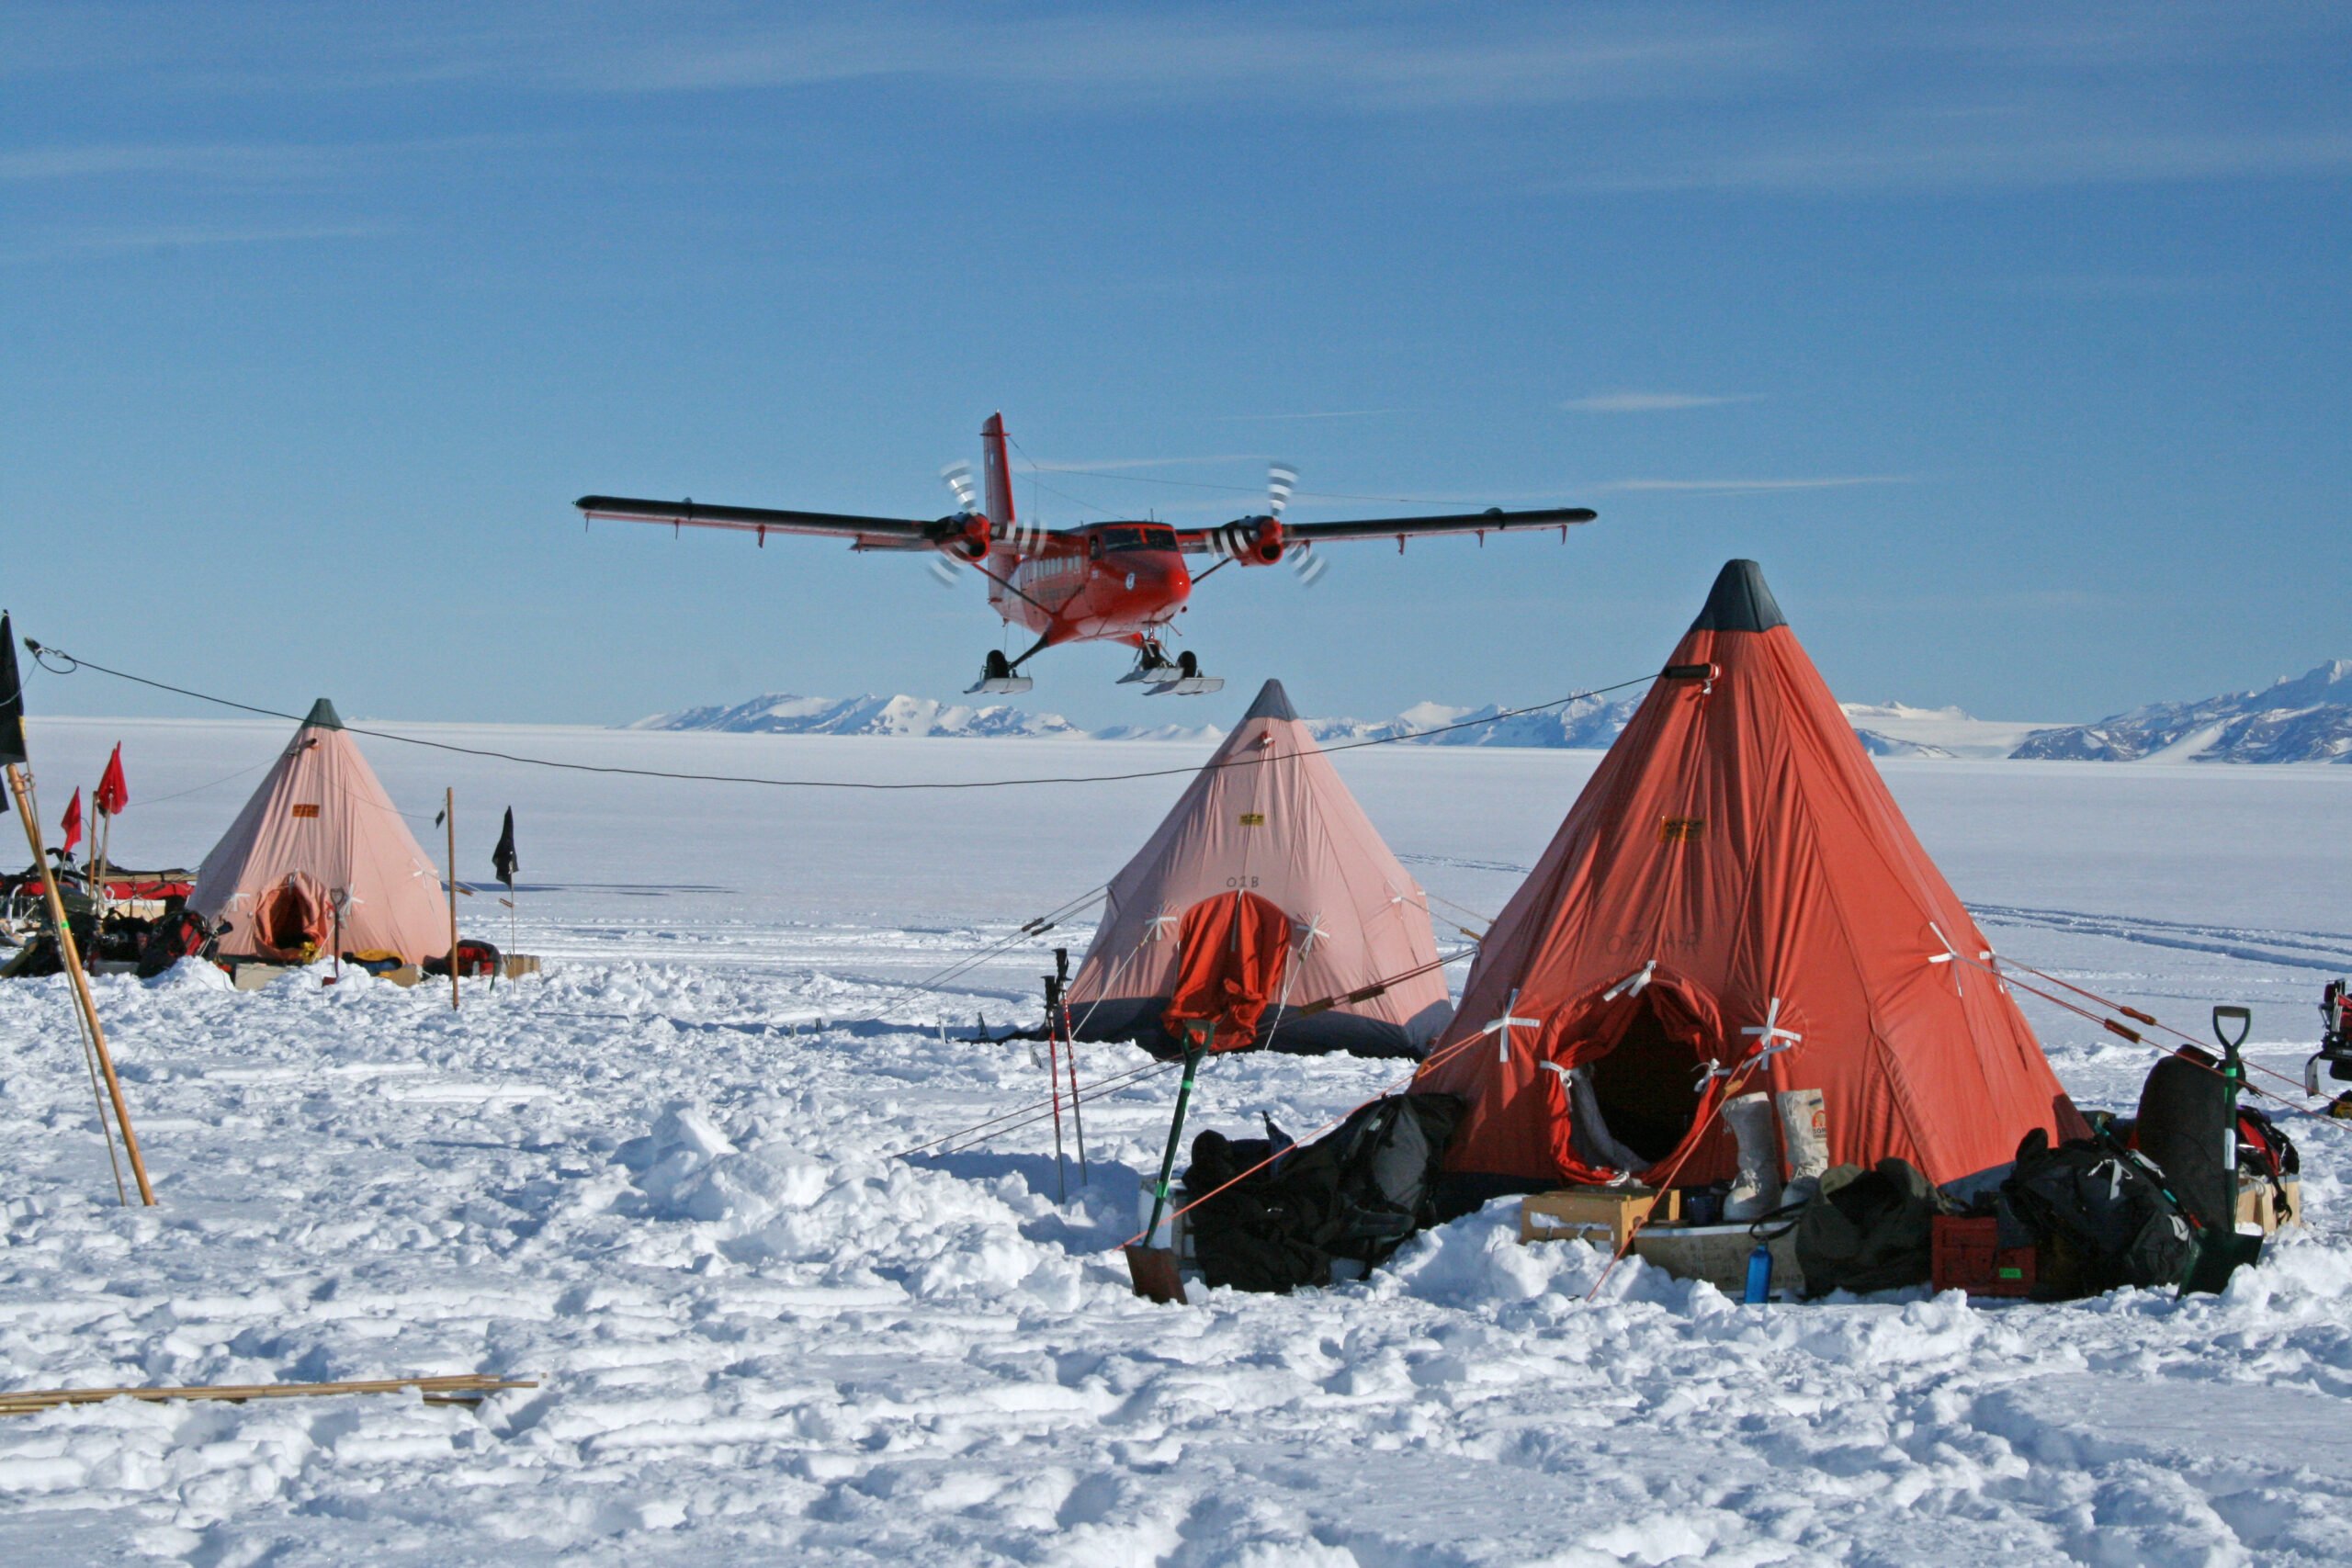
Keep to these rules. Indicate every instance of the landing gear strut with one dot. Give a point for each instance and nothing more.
(1178, 677)
(999, 675)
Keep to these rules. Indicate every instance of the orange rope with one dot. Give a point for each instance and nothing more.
(2133, 1013)
(2126, 1031)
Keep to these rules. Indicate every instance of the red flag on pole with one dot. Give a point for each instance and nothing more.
(113, 794)
(71, 828)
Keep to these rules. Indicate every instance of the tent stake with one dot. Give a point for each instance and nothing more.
(70, 953)
(449, 811)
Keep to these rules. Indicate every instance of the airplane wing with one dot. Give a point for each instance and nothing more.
(863, 532)
(1228, 537)
(1493, 520)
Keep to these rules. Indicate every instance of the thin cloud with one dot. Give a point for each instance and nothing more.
(1318, 413)
(169, 237)
(1654, 402)
(1758, 486)
(1112, 465)
(225, 161)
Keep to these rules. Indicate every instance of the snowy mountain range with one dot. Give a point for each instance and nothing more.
(779, 713)
(1586, 724)
(2307, 719)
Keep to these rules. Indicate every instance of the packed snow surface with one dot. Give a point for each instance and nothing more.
(661, 1180)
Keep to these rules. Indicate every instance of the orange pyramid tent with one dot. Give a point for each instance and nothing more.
(1265, 890)
(319, 861)
(1734, 874)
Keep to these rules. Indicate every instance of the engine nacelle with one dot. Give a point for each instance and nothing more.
(1252, 541)
(970, 543)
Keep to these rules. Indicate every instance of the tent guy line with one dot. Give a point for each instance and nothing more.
(72, 664)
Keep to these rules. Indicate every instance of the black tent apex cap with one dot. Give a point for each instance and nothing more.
(1740, 602)
(1273, 703)
(323, 717)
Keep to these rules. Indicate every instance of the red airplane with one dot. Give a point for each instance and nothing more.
(1121, 582)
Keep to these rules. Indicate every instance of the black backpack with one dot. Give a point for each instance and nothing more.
(1357, 1193)
(2101, 1216)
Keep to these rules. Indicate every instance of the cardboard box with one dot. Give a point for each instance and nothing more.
(1718, 1254)
(1601, 1215)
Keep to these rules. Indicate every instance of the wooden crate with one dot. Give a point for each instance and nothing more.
(1601, 1215)
(2258, 1206)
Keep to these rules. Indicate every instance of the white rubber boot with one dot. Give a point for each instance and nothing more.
(1804, 1133)
(1757, 1191)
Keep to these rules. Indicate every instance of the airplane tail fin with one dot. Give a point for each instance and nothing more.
(996, 497)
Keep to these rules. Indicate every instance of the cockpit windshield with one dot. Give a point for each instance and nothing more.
(1137, 537)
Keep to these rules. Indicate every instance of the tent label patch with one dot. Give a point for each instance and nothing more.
(306, 811)
(1253, 819)
(1681, 830)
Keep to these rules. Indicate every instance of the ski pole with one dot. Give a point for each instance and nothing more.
(1054, 1087)
(1058, 1020)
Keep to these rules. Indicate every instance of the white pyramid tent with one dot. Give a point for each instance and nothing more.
(1269, 817)
(319, 861)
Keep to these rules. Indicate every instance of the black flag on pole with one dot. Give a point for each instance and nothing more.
(502, 857)
(12, 702)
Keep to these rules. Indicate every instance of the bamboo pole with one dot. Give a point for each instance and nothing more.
(70, 953)
(25, 1402)
(449, 812)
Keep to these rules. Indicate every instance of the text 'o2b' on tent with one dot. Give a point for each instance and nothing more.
(1736, 874)
(1264, 891)
(319, 861)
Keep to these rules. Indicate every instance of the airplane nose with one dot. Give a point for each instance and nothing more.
(1158, 572)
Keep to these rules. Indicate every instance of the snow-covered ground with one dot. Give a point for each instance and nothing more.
(659, 1179)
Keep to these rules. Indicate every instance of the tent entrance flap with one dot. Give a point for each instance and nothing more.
(1646, 1087)
(1233, 949)
(1629, 1088)
(290, 917)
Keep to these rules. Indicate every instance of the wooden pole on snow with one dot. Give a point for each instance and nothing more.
(464, 1388)
(70, 953)
(449, 811)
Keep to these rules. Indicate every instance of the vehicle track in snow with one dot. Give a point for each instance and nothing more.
(2321, 952)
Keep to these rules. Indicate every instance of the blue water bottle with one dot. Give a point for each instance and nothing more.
(1760, 1275)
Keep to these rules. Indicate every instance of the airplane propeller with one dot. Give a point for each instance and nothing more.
(958, 477)
(1281, 479)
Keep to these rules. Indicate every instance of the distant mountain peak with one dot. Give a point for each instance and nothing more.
(2298, 719)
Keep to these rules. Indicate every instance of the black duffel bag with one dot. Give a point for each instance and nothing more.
(1357, 1193)
(2101, 1217)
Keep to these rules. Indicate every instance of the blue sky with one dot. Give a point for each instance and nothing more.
(2013, 342)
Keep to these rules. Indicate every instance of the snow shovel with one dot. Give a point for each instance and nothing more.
(1153, 1268)
(2220, 1253)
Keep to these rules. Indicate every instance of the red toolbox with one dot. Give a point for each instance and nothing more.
(1968, 1256)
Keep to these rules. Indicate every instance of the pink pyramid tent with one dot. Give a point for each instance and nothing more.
(319, 861)
(1267, 817)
